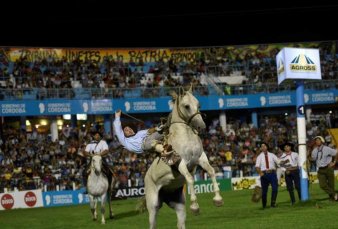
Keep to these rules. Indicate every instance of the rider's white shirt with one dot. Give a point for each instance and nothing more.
(95, 147)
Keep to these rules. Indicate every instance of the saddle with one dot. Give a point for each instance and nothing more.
(169, 155)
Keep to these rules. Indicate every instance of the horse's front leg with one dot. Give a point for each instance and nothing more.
(204, 163)
(92, 203)
(103, 208)
(182, 167)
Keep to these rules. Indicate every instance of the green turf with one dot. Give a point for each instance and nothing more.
(238, 212)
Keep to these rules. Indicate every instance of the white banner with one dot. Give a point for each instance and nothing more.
(22, 199)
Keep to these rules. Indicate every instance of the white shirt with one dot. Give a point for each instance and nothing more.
(132, 143)
(95, 147)
(260, 161)
(292, 157)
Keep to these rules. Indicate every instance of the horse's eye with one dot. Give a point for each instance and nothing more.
(187, 107)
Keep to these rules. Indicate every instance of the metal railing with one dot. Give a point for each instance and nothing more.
(154, 92)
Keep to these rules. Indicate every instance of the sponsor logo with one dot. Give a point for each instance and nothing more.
(302, 63)
(30, 199)
(127, 106)
(7, 201)
(130, 192)
(280, 67)
(203, 188)
(220, 103)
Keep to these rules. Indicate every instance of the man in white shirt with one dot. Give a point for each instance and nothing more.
(292, 179)
(143, 140)
(266, 164)
(97, 146)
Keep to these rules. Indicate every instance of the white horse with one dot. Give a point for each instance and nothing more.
(165, 183)
(98, 188)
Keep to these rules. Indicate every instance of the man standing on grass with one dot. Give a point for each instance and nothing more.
(292, 176)
(326, 159)
(266, 164)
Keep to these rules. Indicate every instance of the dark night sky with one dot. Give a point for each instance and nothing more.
(98, 23)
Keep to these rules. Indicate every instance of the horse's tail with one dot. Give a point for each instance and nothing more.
(141, 205)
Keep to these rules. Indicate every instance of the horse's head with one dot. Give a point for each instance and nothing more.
(187, 109)
(96, 164)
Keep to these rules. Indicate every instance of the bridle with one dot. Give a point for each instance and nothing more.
(92, 166)
(181, 115)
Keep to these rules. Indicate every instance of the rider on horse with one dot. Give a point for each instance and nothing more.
(100, 147)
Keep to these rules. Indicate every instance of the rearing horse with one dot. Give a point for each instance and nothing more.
(164, 183)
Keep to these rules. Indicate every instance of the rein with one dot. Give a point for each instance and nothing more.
(92, 167)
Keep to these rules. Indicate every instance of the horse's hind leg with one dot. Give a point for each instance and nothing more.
(152, 201)
(111, 214)
(111, 183)
(182, 167)
(204, 163)
(181, 215)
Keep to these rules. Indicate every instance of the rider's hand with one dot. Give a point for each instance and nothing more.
(118, 113)
(159, 128)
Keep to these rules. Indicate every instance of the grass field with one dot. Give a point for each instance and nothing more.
(238, 212)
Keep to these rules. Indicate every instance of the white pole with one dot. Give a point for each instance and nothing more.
(301, 129)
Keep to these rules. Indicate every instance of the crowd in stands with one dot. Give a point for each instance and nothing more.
(51, 77)
(32, 160)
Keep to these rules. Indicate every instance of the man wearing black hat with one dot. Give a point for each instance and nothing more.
(326, 159)
(266, 164)
(289, 161)
(100, 147)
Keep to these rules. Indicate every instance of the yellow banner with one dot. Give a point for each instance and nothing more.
(177, 55)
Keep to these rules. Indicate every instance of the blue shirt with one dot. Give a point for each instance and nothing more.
(132, 143)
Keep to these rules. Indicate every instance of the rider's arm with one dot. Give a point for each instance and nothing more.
(118, 128)
(85, 153)
(104, 153)
(104, 148)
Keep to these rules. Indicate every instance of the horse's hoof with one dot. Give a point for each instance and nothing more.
(103, 222)
(195, 211)
(219, 203)
(112, 216)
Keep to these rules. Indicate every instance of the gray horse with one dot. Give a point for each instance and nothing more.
(98, 188)
(164, 183)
